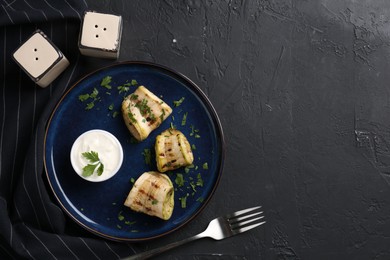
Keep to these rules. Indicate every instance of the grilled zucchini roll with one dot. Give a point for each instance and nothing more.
(172, 150)
(143, 112)
(152, 194)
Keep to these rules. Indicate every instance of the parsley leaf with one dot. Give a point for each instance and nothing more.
(133, 82)
(184, 120)
(194, 132)
(90, 105)
(162, 115)
(93, 158)
(106, 82)
(120, 216)
(83, 97)
(205, 166)
(183, 201)
(131, 117)
(94, 96)
(100, 169)
(200, 199)
(199, 181)
(124, 88)
(178, 102)
(88, 170)
(179, 180)
(187, 168)
(115, 114)
(147, 156)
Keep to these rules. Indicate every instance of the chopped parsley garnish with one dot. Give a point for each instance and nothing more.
(123, 88)
(132, 118)
(90, 105)
(106, 82)
(145, 110)
(192, 184)
(115, 114)
(187, 168)
(143, 106)
(133, 97)
(111, 107)
(154, 202)
(93, 96)
(200, 199)
(184, 120)
(120, 216)
(194, 132)
(94, 93)
(147, 156)
(179, 180)
(178, 102)
(133, 82)
(84, 97)
(199, 181)
(93, 158)
(205, 166)
(183, 201)
(126, 86)
(162, 115)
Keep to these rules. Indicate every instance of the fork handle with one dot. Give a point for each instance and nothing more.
(162, 249)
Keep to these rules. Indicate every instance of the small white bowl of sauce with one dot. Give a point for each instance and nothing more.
(96, 155)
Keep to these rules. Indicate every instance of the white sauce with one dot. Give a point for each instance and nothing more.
(109, 151)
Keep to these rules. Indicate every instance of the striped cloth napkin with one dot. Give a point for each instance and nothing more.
(32, 225)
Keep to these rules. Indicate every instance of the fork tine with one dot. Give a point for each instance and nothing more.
(241, 230)
(239, 218)
(244, 220)
(244, 223)
(241, 212)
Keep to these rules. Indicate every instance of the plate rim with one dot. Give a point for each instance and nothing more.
(216, 122)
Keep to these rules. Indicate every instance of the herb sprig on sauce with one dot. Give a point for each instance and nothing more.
(93, 158)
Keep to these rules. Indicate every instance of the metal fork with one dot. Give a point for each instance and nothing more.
(219, 228)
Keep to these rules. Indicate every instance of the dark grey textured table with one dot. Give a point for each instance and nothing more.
(302, 89)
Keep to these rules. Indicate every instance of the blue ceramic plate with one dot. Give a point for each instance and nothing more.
(98, 207)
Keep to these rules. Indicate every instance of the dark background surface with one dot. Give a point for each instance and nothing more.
(302, 91)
